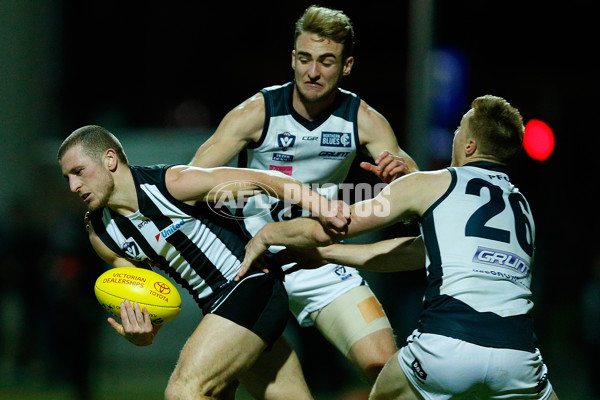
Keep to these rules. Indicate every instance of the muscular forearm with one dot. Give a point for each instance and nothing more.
(288, 189)
(299, 233)
(334, 215)
(399, 254)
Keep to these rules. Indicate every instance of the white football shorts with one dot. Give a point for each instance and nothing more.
(312, 289)
(443, 368)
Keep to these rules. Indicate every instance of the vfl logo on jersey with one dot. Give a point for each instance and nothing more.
(336, 139)
(342, 272)
(502, 259)
(286, 140)
(131, 249)
(169, 230)
(283, 157)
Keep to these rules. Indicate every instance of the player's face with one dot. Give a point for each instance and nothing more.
(460, 140)
(318, 66)
(90, 180)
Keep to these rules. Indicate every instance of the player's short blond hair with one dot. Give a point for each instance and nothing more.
(94, 140)
(327, 23)
(497, 126)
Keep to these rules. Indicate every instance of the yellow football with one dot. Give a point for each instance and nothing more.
(143, 286)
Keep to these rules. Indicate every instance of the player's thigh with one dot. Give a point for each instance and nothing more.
(553, 396)
(371, 352)
(393, 384)
(276, 375)
(357, 317)
(215, 354)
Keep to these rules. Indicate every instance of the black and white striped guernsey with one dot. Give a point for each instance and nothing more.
(198, 248)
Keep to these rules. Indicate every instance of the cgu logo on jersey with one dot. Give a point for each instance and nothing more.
(286, 140)
(171, 229)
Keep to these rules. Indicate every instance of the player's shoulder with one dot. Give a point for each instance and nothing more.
(246, 118)
(424, 188)
(274, 88)
(368, 114)
(427, 178)
(254, 103)
(371, 124)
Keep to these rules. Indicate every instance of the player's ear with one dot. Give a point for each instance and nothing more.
(348, 63)
(471, 147)
(293, 59)
(111, 161)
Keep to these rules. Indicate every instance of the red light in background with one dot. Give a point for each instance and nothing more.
(538, 140)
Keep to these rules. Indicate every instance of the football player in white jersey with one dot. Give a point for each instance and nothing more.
(475, 337)
(321, 57)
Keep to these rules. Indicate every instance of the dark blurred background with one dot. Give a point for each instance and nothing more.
(161, 76)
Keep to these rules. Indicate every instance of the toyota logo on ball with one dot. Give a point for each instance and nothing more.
(162, 288)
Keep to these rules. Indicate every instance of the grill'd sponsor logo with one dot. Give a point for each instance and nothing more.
(517, 265)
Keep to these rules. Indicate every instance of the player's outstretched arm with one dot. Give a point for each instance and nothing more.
(299, 232)
(406, 197)
(188, 183)
(391, 255)
(365, 216)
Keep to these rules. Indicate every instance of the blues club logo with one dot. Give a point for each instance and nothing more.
(336, 139)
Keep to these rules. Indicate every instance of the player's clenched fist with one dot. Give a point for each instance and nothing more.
(336, 217)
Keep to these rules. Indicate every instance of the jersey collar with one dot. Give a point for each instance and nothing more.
(487, 165)
(321, 118)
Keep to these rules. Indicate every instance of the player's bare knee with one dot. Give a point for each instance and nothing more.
(372, 371)
(178, 393)
(179, 390)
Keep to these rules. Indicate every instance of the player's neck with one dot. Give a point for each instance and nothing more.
(124, 196)
(311, 109)
(481, 157)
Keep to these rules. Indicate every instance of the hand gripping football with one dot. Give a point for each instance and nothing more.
(143, 286)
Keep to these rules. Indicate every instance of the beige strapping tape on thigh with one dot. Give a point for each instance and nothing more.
(349, 318)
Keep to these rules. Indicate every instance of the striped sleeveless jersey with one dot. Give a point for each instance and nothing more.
(199, 249)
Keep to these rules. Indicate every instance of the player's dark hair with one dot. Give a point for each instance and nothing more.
(498, 125)
(329, 24)
(95, 140)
